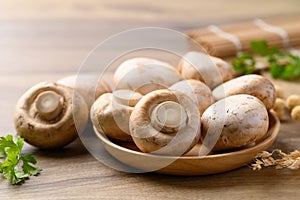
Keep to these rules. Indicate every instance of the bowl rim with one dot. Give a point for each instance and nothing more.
(271, 135)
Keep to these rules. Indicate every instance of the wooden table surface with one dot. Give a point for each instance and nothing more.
(47, 40)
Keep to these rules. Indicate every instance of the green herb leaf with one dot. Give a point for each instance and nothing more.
(259, 47)
(2, 153)
(10, 151)
(283, 65)
(276, 70)
(27, 168)
(244, 63)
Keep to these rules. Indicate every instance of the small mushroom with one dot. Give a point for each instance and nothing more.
(110, 113)
(44, 115)
(197, 91)
(295, 113)
(252, 84)
(145, 75)
(165, 122)
(280, 109)
(243, 120)
(211, 70)
(84, 85)
(293, 101)
(279, 92)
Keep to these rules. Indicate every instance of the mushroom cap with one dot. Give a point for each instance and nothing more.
(150, 139)
(145, 75)
(244, 120)
(197, 91)
(110, 113)
(54, 133)
(255, 85)
(83, 84)
(211, 70)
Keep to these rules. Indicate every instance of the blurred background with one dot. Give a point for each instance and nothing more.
(55, 35)
(49, 39)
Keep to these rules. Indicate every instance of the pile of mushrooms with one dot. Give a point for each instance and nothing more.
(154, 106)
(168, 111)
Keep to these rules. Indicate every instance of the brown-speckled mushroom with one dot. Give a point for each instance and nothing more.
(44, 115)
(110, 113)
(244, 119)
(211, 70)
(165, 122)
(255, 85)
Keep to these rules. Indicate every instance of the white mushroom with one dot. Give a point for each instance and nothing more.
(110, 113)
(197, 91)
(211, 70)
(244, 119)
(253, 84)
(44, 115)
(165, 122)
(145, 75)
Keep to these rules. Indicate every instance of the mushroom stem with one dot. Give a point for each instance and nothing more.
(49, 104)
(168, 117)
(127, 97)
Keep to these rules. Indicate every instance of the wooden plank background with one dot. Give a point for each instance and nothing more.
(47, 40)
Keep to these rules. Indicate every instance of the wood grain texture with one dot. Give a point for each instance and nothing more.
(47, 40)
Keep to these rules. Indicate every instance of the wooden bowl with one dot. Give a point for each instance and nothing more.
(191, 165)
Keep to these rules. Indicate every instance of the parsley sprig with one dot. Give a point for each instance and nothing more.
(15, 166)
(283, 65)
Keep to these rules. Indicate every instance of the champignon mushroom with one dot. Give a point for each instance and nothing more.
(165, 122)
(243, 119)
(84, 85)
(145, 75)
(252, 84)
(197, 91)
(211, 70)
(110, 113)
(44, 115)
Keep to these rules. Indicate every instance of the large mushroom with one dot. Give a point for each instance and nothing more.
(165, 122)
(211, 70)
(44, 115)
(234, 122)
(110, 113)
(145, 75)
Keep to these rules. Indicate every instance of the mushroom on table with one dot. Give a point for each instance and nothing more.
(45, 115)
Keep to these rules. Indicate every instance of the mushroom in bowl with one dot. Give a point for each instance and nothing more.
(165, 122)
